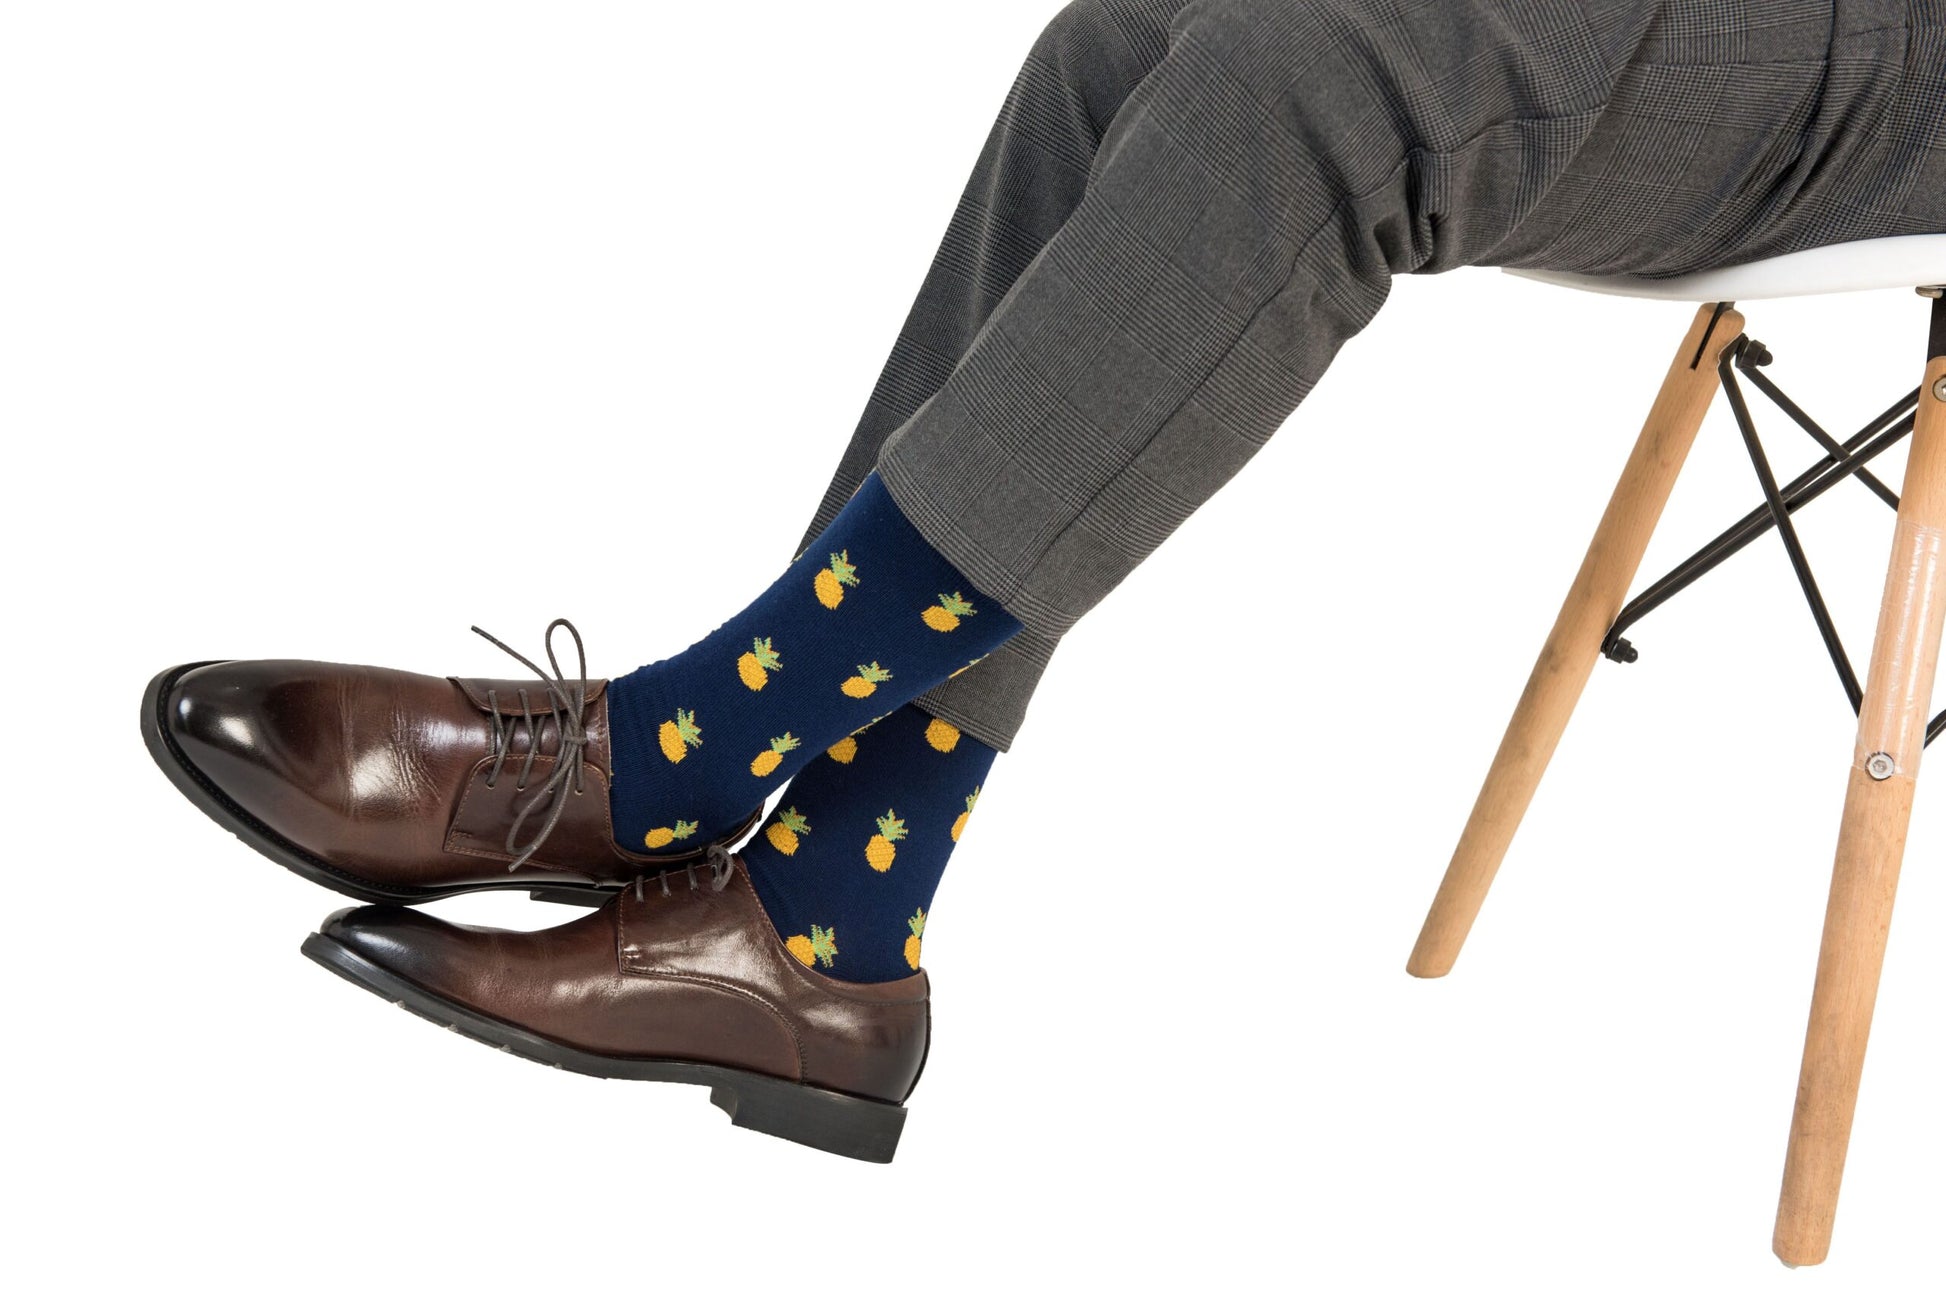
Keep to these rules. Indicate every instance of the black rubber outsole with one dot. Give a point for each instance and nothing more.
(810, 1116)
(204, 794)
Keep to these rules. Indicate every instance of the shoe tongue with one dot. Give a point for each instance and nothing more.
(506, 693)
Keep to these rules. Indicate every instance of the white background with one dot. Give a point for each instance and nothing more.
(328, 330)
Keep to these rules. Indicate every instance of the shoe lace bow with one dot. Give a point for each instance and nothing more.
(566, 706)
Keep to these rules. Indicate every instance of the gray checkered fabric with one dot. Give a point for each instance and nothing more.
(1184, 210)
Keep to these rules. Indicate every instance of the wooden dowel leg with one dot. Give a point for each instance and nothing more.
(1593, 603)
(1871, 842)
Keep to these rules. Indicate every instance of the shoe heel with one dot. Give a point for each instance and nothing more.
(824, 1120)
(571, 897)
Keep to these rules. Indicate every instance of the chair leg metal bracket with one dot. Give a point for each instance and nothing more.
(1842, 460)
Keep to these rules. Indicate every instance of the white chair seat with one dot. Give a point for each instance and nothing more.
(1902, 262)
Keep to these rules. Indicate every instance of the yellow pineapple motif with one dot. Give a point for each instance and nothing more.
(917, 924)
(945, 615)
(942, 735)
(879, 850)
(766, 762)
(843, 751)
(783, 832)
(959, 822)
(679, 736)
(821, 948)
(830, 583)
(867, 680)
(754, 668)
(662, 836)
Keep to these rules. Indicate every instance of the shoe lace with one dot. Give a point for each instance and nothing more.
(566, 708)
(721, 867)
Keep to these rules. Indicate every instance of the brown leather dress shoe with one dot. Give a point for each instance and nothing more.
(681, 978)
(396, 787)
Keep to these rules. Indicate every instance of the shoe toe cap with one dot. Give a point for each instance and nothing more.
(405, 942)
(310, 750)
(234, 723)
(558, 982)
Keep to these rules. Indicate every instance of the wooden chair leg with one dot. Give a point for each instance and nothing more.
(1871, 842)
(1574, 646)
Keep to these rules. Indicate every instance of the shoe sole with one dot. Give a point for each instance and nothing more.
(810, 1116)
(205, 794)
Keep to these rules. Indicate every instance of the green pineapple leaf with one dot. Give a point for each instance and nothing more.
(824, 945)
(687, 728)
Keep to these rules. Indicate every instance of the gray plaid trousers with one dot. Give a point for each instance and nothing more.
(1184, 210)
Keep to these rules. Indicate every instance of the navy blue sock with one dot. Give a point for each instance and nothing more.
(867, 619)
(848, 862)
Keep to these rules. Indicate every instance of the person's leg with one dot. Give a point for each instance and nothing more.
(856, 627)
(1257, 192)
(1720, 146)
(264, 748)
(1245, 213)
(847, 868)
(1191, 215)
(1027, 181)
(931, 756)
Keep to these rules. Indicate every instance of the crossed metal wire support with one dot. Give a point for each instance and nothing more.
(1841, 461)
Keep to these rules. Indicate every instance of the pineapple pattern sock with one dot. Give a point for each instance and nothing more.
(866, 620)
(848, 862)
